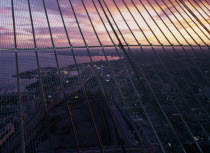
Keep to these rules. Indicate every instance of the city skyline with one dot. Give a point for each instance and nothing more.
(109, 76)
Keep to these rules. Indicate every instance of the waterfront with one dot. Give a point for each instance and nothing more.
(168, 97)
(27, 62)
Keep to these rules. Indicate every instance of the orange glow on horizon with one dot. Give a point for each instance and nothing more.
(187, 27)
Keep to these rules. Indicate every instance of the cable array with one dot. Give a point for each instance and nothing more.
(107, 87)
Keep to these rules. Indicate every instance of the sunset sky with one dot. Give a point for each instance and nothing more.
(24, 30)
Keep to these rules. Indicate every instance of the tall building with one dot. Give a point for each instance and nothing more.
(111, 76)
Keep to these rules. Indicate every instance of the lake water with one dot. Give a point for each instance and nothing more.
(27, 61)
